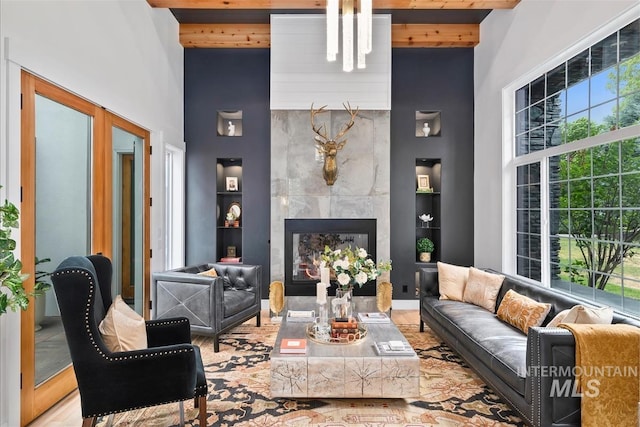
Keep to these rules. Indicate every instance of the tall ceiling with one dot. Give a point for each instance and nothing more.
(245, 23)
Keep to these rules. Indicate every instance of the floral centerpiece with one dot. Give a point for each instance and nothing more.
(353, 267)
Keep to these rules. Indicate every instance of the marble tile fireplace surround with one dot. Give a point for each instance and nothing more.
(298, 190)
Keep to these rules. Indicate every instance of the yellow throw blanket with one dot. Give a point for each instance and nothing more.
(607, 372)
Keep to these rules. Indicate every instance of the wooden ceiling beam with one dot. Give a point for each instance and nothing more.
(225, 35)
(321, 4)
(435, 35)
(259, 35)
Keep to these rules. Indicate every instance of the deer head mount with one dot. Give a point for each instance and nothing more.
(328, 146)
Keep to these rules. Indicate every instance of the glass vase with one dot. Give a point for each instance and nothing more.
(342, 304)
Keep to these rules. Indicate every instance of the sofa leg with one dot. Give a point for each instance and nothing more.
(421, 326)
(216, 344)
(202, 406)
(89, 422)
(258, 320)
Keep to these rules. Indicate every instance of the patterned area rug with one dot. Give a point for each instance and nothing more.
(450, 393)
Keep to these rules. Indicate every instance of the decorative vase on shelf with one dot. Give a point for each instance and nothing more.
(426, 130)
(341, 304)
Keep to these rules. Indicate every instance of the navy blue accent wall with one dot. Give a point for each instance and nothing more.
(431, 80)
(422, 79)
(227, 79)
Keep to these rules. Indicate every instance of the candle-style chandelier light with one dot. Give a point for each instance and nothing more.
(364, 28)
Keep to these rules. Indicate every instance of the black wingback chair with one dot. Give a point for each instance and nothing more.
(169, 370)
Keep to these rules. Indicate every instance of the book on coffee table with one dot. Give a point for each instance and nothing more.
(394, 348)
(293, 345)
(374, 317)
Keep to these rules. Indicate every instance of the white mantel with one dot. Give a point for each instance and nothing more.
(301, 74)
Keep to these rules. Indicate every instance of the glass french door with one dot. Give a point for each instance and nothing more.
(70, 206)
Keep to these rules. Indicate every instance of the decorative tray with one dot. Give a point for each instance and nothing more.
(325, 337)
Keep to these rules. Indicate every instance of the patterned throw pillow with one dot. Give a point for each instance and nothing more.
(211, 272)
(451, 281)
(584, 315)
(521, 311)
(482, 289)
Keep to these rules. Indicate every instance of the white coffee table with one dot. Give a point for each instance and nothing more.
(342, 370)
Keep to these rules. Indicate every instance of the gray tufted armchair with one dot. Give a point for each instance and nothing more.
(213, 305)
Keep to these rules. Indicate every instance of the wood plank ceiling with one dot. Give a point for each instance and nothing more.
(245, 23)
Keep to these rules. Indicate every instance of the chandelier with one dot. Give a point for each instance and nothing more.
(364, 27)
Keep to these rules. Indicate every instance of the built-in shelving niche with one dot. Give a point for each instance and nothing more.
(428, 192)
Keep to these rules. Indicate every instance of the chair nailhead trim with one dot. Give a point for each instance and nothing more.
(133, 408)
(93, 341)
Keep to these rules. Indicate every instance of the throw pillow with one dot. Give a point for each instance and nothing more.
(452, 280)
(123, 329)
(584, 315)
(521, 311)
(482, 288)
(211, 272)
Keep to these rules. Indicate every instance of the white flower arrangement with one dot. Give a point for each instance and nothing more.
(353, 266)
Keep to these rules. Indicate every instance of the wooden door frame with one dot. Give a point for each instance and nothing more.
(35, 400)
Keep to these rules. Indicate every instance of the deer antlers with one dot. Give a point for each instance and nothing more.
(321, 136)
(330, 146)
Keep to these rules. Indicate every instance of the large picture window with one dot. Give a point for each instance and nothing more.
(579, 174)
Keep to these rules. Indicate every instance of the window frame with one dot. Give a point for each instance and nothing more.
(511, 161)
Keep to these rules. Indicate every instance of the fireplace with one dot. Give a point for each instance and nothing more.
(305, 240)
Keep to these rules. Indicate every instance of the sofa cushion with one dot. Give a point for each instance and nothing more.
(521, 311)
(499, 345)
(452, 280)
(237, 300)
(482, 288)
(584, 315)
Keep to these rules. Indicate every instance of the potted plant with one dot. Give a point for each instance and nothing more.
(12, 293)
(424, 246)
(40, 288)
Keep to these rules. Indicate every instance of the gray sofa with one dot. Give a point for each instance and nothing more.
(515, 365)
(213, 305)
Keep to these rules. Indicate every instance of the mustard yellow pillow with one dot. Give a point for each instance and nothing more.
(211, 272)
(123, 329)
(482, 288)
(451, 281)
(521, 311)
(584, 315)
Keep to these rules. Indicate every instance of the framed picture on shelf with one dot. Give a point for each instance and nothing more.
(232, 183)
(231, 251)
(423, 183)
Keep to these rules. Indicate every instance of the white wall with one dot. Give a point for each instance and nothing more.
(121, 54)
(513, 44)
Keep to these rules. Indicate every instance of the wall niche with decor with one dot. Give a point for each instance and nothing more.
(229, 214)
(428, 123)
(428, 184)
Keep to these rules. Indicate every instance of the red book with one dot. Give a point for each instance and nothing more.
(229, 259)
(293, 345)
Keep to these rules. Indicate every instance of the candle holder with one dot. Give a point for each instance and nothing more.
(322, 322)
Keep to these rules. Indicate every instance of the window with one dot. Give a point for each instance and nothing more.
(577, 146)
(174, 207)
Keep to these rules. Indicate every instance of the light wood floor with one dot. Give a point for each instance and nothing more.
(67, 412)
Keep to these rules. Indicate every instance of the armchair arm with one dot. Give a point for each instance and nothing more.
(168, 331)
(137, 379)
(550, 381)
(177, 294)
